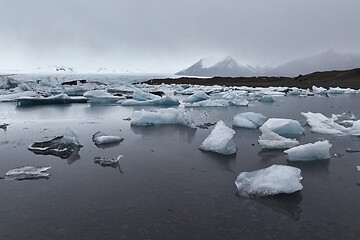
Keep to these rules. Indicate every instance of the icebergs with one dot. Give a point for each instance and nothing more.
(271, 140)
(61, 146)
(57, 99)
(161, 101)
(209, 103)
(144, 96)
(161, 116)
(197, 97)
(101, 96)
(319, 90)
(321, 124)
(312, 151)
(27, 172)
(108, 162)
(267, 99)
(220, 140)
(13, 96)
(101, 139)
(270, 181)
(248, 120)
(284, 127)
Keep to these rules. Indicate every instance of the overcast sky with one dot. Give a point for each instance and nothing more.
(168, 35)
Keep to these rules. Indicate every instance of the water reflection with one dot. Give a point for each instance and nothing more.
(223, 162)
(185, 133)
(268, 155)
(314, 167)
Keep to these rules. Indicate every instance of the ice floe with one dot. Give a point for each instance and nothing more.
(160, 117)
(100, 138)
(321, 124)
(57, 99)
(144, 96)
(101, 96)
(270, 181)
(267, 98)
(27, 172)
(13, 96)
(197, 97)
(248, 120)
(271, 140)
(209, 103)
(284, 127)
(161, 101)
(62, 146)
(308, 152)
(220, 140)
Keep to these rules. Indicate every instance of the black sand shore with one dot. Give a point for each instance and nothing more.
(343, 79)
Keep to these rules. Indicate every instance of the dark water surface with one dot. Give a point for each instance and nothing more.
(166, 188)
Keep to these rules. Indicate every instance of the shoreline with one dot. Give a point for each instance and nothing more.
(343, 79)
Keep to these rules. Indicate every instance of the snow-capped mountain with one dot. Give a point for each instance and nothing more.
(54, 69)
(228, 67)
(327, 61)
(209, 67)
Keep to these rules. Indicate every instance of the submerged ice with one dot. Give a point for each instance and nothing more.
(220, 140)
(27, 172)
(273, 180)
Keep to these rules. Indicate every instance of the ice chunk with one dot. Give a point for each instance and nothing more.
(267, 98)
(100, 138)
(27, 172)
(270, 181)
(311, 151)
(271, 140)
(108, 162)
(209, 103)
(144, 96)
(284, 127)
(101, 96)
(319, 90)
(14, 96)
(62, 146)
(239, 102)
(220, 140)
(197, 97)
(163, 101)
(248, 120)
(161, 116)
(321, 124)
(57, 99)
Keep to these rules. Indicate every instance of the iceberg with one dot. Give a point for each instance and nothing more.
(100, 138)
(319, 90)
(284, 127)
(162, 101)
(220, 140)
(27, 172)
(209, 103)
(197, 97)
(108, 162)
(13, 96)
(321, 124)
(161, 116)
(270, 181)
(101, 96)
(62, 146)
(144, 96)
(271, 140)
(267, 99)
(239, 102)
(248, 120)
(308, 152)
(57, 99)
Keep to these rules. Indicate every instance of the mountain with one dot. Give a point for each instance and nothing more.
(327, 61)
(207, 67)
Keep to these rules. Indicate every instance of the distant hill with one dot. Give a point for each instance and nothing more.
(228, 67)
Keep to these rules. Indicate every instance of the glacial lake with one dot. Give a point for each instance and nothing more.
(166, 188)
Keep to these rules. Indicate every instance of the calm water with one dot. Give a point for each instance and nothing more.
(166, 187)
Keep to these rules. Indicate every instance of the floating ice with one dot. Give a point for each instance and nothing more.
(321, 124)
(319, 90)
(248, 120)
(163, 101)
(311, 151)
(197, 97)
(13, 96)
(61, 146)
(144, 96)
(284, 127)
(235, 99)
(100, 138)
(101, 96)
(220, 140)
(209, 103)
(267, 98)
(295, 92)
(27, 172)
(270, 181)
(271, 140)
(161, 116)
(58, 99)
(108, 162)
